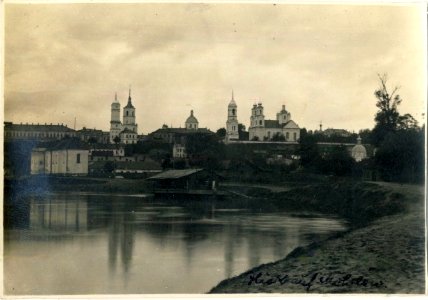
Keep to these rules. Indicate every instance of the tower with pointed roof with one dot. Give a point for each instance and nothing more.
(191, 122)
(129, 115)
(232, 121)
(115, 123)
(129, 133)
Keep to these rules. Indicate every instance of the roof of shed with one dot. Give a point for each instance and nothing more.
(174, 174)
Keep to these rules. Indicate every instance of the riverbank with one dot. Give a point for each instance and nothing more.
(383, 254)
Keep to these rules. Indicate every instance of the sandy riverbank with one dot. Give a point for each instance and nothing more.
(386, 256)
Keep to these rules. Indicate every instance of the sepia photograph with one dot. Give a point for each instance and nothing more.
(214, 148)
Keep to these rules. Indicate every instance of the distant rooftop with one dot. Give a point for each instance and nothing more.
(36, 127)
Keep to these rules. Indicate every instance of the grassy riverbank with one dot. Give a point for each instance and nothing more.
(384, 253)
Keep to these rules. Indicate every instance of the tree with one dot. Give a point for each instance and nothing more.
(407, 122)
(116, 140)
(204, 150)
(308, 151)
(241, 127)
(387, 119)
(221, 133)
(399, 140)
(278, 137)
(365, 135)
(400, 157)
(109, 167)
(338, 162)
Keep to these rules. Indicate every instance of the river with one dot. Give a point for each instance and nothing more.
(82, 243)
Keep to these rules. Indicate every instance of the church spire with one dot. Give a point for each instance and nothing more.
(115, 96)
(232, 101)
(129, 105)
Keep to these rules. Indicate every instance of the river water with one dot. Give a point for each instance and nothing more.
(77, 243)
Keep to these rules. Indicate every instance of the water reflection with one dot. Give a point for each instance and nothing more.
(151, 245)
(58, 215)
(121, 237)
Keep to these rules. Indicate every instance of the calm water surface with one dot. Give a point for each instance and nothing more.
(73, 243)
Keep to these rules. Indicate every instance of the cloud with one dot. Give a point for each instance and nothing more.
(68, 60)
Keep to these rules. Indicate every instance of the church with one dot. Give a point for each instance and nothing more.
(125, 132)
(282, 129)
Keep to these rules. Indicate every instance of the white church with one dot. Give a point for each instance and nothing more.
(125, 132)
(261, 129)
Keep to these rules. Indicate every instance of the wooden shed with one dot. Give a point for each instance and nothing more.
(186, 182)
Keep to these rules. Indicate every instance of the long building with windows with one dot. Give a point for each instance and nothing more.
(43, 132)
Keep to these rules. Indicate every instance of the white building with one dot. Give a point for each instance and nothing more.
(191, 122)
(283, 128)
(68, 157)
(38, 161)
(179, 151)
(232, 121)
(126, 131)
(359, 152)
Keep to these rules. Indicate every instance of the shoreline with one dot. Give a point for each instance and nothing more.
(385, 256)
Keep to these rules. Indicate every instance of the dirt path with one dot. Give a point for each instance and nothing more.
(384, 257)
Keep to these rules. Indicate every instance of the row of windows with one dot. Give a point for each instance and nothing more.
(192, 126)
(255, 123)
(130, 136)
(256, 112)
(36, 134)
(55, 160)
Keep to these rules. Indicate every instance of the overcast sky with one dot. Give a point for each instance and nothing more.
(67, 60)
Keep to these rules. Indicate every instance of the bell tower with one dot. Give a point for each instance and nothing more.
(257, 118)
(232, 121)
(115, 124)
(129, 115)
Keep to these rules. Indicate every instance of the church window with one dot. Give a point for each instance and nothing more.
(287, 135)
(132, 113)
(261, 122)
(78, 158)
(284, 117)
(233, 112)
(268, 134)
(295, 136)
(126, 113)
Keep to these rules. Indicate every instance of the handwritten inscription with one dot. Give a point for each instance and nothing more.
(309, 280)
